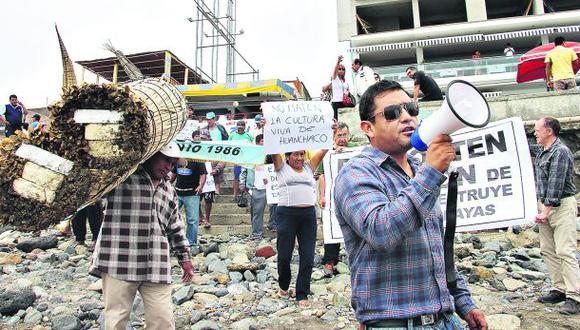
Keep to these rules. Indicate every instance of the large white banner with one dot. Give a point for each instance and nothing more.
(188, 129)
(297, 125)
(495, 185)
(272, 185)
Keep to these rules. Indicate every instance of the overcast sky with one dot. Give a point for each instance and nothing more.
(283, 39)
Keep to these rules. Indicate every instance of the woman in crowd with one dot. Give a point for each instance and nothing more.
(296, 219)
(338, 86)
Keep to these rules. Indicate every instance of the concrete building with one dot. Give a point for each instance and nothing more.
(440, 36)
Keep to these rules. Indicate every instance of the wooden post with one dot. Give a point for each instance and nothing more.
(185, 76)
(115, 72)
(83, 75)
(167, 71)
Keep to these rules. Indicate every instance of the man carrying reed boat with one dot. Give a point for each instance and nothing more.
(141, 224)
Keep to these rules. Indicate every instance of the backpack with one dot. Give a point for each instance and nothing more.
(225, 135)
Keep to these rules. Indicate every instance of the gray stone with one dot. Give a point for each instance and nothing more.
(195, 316)
(221, 293)
(531, 275)
(43, 243)
(66, 322)
(463, 250)
(13, 301)
(262, 277)
(211, 258)
(90, 305)
(218, 267)
(11, 321)
(212, 248)
(236, 277)
(317, 275)
(505, 245)
(205, 289)
(502, 322)
(512, 284)
(339, 300)
(70, 250)
(237, 289)
(329, 316)
(491, 246)
(535, 253)
(205, 325)
(520, 254)
(249, 276)
(342, 268)
(244, 324)
(270, 306)
(33, 316)
(182, 294)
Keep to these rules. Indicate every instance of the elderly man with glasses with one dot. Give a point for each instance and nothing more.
(388, 209)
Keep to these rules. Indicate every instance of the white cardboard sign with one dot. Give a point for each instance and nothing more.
(297, 125)
(495, 186)
(209, 185)
(188, 129)
(272, 185)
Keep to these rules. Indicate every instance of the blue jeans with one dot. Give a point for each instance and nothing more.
(257, 209)
(191, 204)
(449, 321)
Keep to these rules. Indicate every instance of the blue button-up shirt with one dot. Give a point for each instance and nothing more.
(393, 232)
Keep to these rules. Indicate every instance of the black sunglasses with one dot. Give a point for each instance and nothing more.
(393, 112)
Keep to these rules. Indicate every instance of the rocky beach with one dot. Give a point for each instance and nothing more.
(44, 284)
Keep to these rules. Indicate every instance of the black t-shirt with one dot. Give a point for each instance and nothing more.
(188, 177)
(428, 86)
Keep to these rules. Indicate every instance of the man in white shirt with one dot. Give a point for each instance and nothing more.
(364, 77)
(509, 51)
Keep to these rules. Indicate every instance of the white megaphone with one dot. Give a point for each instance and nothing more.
(463, 106)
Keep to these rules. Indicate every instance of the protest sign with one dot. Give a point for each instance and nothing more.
(333, 163)
(495, 184)
(232, 152)
(272, 185)
(297, 125)
(209, 185)
(188, 129)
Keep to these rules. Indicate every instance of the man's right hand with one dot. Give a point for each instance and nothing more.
(440, 153)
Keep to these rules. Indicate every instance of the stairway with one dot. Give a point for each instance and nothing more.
(227, 216)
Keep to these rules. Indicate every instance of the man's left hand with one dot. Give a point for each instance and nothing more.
(476, 320)
(198, 190)
(187, 267)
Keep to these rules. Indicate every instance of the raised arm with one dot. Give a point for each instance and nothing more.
(338, 61)
(317, 158)
(278, 161)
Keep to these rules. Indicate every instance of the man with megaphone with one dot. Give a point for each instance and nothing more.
(387, 206)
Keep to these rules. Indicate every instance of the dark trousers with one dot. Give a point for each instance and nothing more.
(331, 252)
(335, 107)
(295, 222)
(94, 213)
(272, 221)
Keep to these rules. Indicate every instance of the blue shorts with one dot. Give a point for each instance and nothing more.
(237, 171)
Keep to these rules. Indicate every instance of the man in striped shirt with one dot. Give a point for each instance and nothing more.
(132, 253)
(388, 210)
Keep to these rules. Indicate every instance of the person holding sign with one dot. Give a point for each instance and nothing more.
(557, 218)
(388, 209)
(296, 219)
(331, 251)
(254, 180)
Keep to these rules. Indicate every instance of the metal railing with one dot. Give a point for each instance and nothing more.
(456, 68)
